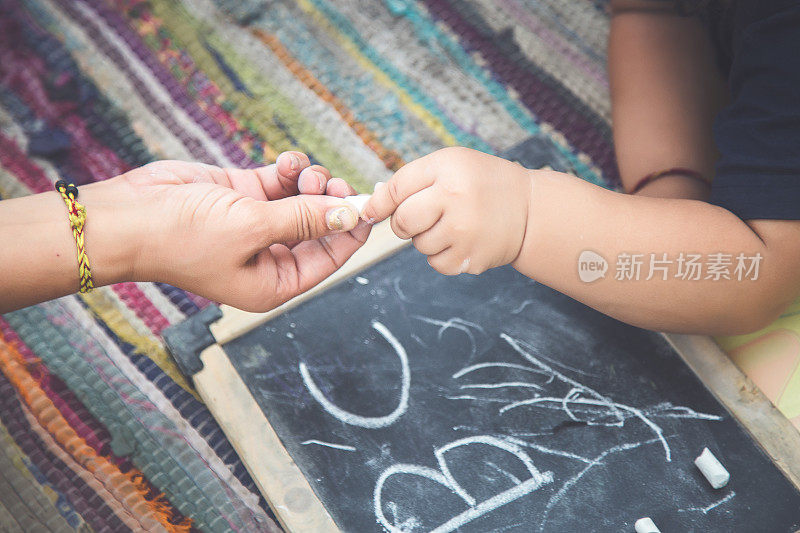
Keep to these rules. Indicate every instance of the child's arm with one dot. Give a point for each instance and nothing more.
(469, 211)
(228, 234)
(568, 215)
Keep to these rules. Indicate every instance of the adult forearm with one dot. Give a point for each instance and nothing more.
(252, 238)
(38, 251)
(568, 216)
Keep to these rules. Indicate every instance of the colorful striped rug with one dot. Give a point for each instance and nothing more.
(98, 430)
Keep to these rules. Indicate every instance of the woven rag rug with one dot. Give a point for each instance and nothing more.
(98, 429)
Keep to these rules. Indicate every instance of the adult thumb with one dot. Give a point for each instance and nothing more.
(305, 217)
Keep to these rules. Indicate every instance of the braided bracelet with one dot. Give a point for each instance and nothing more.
(77, 219)
(676, 171)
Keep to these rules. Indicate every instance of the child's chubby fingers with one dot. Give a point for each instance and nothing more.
(410, 179)
(457, 259)
(433, 241)
(313, 180)
(450, 261)
(417, 214)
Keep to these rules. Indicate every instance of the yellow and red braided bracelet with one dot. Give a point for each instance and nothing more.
(77, 219)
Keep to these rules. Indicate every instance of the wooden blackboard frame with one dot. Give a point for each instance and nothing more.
(290, 495)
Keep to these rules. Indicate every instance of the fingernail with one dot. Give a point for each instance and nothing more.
(320, 180)
(294, 162)
(378, 185)
(341, 218)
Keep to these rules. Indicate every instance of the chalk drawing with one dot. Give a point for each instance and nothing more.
(329, 445)
(576, 400)
(399, 291)
(419, 341)
(444, 477)
(523, 384)
(455, 323)
(549, 451)
(476, 399)
(603, 403)
(496, 364)
(409, 524)
(568, 484)
(365, 421)
(708, 508)
(522, 306)
(609, 413)
(667, 410)
(514, 479)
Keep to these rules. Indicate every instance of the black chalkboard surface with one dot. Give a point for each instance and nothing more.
(417, 402)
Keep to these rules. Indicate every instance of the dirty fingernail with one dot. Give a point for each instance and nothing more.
(341, 218)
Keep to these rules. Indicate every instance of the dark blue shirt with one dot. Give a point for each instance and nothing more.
(758, 134)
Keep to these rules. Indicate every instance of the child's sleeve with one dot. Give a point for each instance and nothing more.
(758, 134)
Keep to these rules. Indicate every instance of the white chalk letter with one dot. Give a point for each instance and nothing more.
(365, 421)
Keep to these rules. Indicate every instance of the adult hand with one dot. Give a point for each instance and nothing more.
(249, 238)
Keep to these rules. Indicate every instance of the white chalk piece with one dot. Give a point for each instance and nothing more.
(645, 525)
(358, 201)
(712, 469)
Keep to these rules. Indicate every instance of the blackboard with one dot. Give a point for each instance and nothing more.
(416, 402)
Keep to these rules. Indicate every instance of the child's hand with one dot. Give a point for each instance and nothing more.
(466, 210)
(249, 238)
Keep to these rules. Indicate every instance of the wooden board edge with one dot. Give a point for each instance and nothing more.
(770, 429)
(381, 243)
(274, 471)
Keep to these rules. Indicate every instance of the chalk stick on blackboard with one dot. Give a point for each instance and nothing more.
(712, 469)
(645, 525)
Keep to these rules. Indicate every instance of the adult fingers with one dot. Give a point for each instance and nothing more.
(360, 232)
(292, 271)
(318, 259)
(410, 179)
(303, 217)
(340, 188)
(313, 180)
(279, 180)
(418, 213)
(269, 182)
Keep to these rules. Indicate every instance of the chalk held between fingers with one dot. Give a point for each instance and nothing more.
(712, 469)
(645, 525)
(358, 201)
